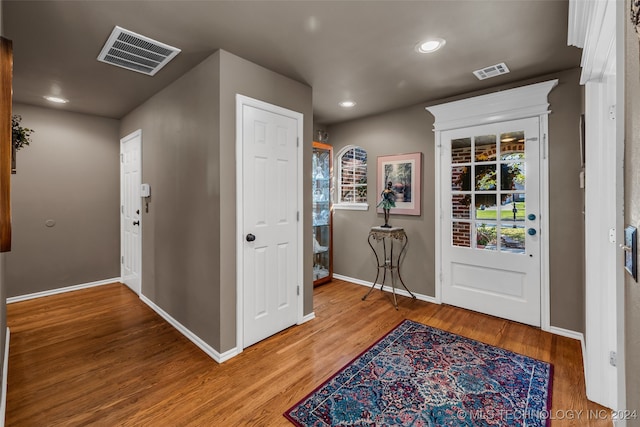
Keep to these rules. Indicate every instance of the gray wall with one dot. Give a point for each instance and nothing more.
(410, 130)
(188, 140)
(632, 214)
(69, 174)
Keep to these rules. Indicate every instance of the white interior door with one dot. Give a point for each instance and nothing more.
(491, 240)
(269, 222)
(130, 179)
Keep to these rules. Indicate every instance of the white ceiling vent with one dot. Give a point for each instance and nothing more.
(134, 52)
(492, 71)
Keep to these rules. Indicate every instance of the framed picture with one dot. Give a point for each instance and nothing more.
(631, 251)
(404, 171)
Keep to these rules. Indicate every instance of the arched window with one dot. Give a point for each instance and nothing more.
(352, 178)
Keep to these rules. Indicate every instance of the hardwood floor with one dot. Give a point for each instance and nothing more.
(101, 357)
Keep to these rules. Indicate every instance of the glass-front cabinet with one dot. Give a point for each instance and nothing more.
(322, 213)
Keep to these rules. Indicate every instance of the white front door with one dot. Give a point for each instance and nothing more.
(271, 253)
(130, 239)
(491, 239)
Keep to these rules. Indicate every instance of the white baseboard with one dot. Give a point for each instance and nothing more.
(308, 317)
(385, 288)
(5, 373)
(62, 290)
(213, 353)
(576, 336)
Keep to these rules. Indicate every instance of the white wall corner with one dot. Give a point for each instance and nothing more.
(213, 353)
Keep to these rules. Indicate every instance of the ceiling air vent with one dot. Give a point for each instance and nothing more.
(492, 71)
(134, 52)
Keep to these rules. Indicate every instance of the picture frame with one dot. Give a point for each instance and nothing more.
(631, 251)
(405, 173)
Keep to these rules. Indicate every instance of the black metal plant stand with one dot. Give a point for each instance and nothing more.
(388, 236)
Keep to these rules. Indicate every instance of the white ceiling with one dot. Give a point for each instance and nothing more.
(362, 50)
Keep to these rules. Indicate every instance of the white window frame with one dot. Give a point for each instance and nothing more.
(348, 205)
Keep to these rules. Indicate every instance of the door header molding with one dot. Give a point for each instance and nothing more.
(511, 104)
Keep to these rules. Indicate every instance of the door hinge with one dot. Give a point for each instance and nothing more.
(121, 157)
(121, 208)
(122, 259)
(544, 146)
(298, 216)
(298, 290)
(297, 141)
(613, 358)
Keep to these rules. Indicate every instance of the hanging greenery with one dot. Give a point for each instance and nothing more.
(19, 136)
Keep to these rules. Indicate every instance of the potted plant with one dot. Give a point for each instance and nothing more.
(20, 136)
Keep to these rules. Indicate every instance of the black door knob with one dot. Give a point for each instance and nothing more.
(136, 222)
(250, 237)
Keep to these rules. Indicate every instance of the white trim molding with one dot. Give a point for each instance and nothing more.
(592, 27)
(511, 104)
(241, 101)
(386, 288)
(213, 353)
(62, 290)
(598, 27)
(308, 317)
(5, 372)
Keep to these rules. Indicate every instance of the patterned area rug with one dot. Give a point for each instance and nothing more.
(417, 375)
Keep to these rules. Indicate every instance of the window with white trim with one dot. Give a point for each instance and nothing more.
(352, 178)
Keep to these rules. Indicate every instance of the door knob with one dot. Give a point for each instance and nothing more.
(250, 237)
(531, 232)
(136, 222)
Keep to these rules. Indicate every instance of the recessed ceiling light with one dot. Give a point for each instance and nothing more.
(430, 45)
(56, 99)
(347, 104)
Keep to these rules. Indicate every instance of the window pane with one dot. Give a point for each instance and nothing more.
(461, 234)
(485, 177)
(513, 176)
(513, 207)
(486, 236)
(512, 146)
(461, 206)
(486, 207)
(512, 238)
(461, 150)
(485, 148)
(353, 176)
(461, 178)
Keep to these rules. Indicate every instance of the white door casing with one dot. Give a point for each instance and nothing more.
(269, 220)
(490, 262)
(130, 210)
(598, 27)
(528, 102)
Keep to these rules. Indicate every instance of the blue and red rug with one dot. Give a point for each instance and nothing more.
(417, 375)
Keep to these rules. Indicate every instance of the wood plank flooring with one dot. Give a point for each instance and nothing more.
(101, 357)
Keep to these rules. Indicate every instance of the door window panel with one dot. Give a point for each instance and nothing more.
(512, 238)
(512, 146)
(461, 150)
(485, 148)
(513, 207)
(486, 207)
(488, 173)
(461, 235)
(485, 178)
(461, 178)
(486, 236)
(461, 206)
